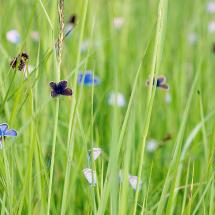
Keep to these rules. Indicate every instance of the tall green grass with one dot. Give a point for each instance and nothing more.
(41, 170)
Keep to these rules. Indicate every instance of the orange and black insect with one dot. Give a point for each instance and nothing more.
(20, 61)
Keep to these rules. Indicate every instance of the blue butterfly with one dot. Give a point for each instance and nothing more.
(159, 82)
(88, 79)
(4, 132)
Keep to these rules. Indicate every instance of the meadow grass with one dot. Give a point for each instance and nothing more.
(41, 170)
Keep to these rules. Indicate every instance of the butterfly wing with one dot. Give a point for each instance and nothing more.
(3, 127)
(90, 175)
(133, 182)
(54, 93)
(62, 85)
(96, 153)
(53, 85)
(164, 86)
(161, 80)
(67, 92)
(10, 133)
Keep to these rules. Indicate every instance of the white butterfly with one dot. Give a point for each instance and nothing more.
(133, 182)
(90, 175)
(96, 152)
(116, 99)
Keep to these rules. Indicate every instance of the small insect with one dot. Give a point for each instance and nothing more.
(167, 137)
(4, 132)
(88, 79)
(70, 25)
(90, 175)
(60, 89)
(96, 152)
(20, 61)
(160, 82)
(133, 182)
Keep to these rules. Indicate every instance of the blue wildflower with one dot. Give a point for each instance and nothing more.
(88, 79)
(4, 132)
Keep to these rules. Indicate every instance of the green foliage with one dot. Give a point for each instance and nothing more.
(41, 170)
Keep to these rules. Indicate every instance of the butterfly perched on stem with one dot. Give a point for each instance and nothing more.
(60, 89)
(5, 132)
(70, 25)
(159, 82)
(90, 175)
(20, 61)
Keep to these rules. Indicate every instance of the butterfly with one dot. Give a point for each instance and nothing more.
(167, 137)
(70, 25)
(159, 82)
(60, 89)
(90, 175)
(96, 152)
(20, 61)
(116, 99)
(4, 132)
(133, 182)
(88, 79)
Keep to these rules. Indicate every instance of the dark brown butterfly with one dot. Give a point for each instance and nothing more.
(159, 82)
(60, 89)
(19, 62)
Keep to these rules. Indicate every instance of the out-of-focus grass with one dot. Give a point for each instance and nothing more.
(178, 177)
